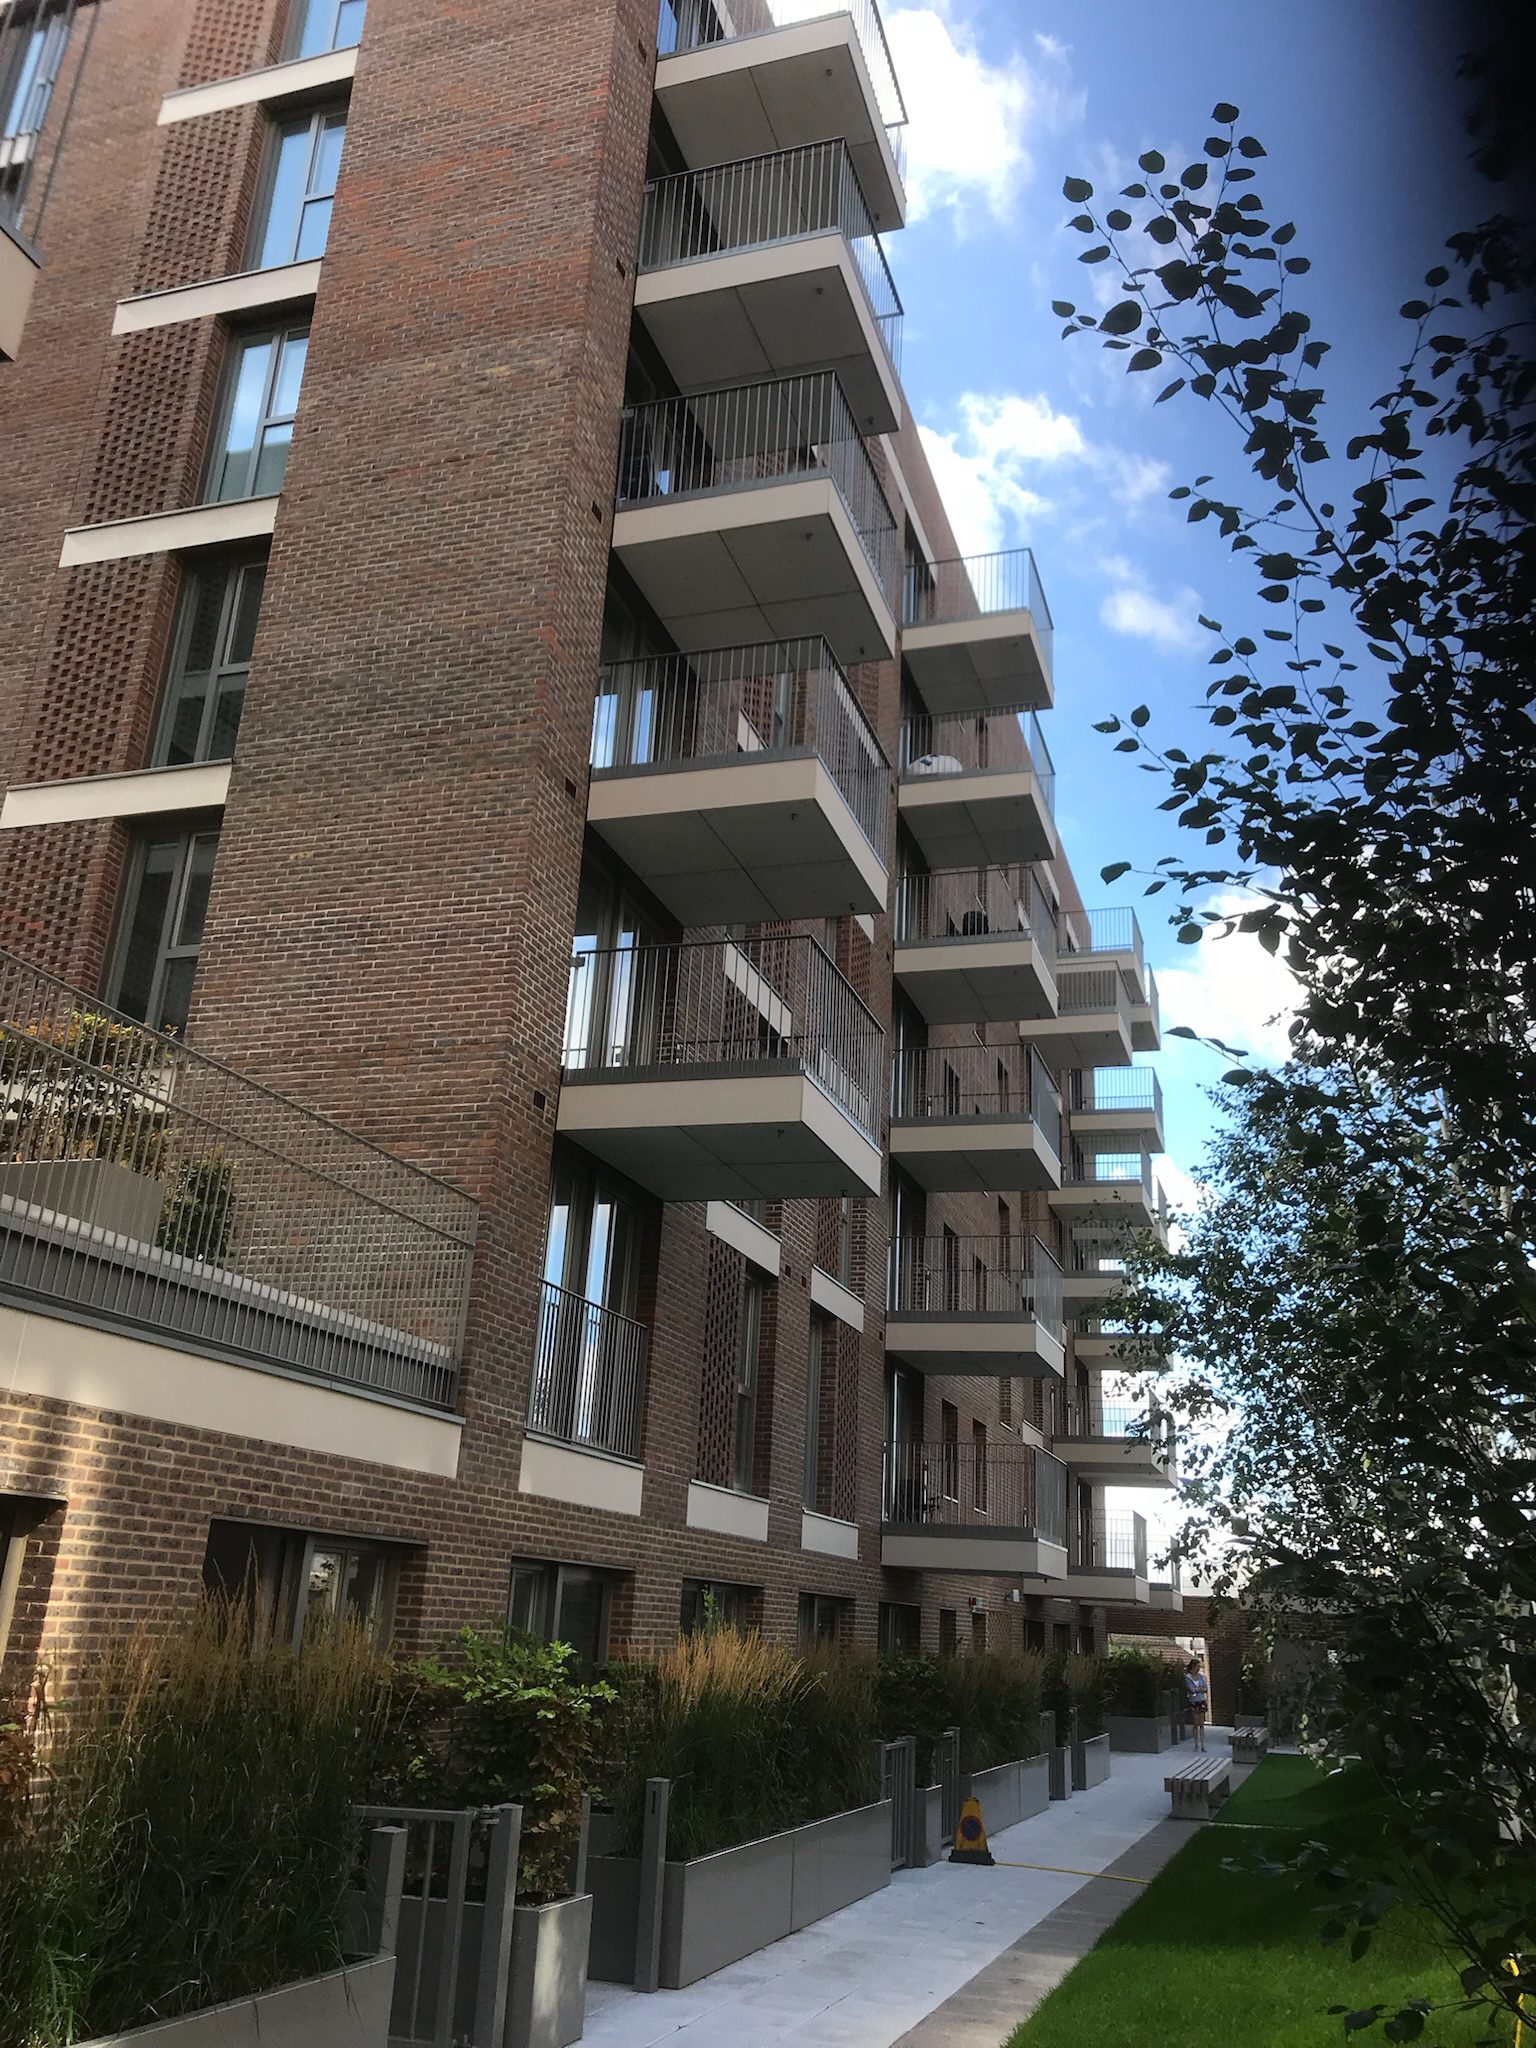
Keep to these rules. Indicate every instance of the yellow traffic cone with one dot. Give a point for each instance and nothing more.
(970, 1836)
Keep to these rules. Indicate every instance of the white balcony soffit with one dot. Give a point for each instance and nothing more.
(985, 818)
(1097, 1038)
(585, 1479)
(248, 291)
(972, 1548)
(169, 533)
(1002, 1346)
(974, 1154)
(982, 664)
(988, 979)
(18, 274)
(726, 1512)
(268, 87)
(144, 793)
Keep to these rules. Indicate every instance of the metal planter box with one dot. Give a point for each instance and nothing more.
(345, 2008)
(717, 1909)
(1139, 1734)
(1090, 1763)
(547, 1984)
(1059, 1769)
(1012, 1792)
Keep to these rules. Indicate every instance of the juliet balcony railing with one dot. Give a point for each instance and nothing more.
(759, 434)
(978, 743)
(764, 200)
(972, 903)
(976, 1276)
(778, 701)
(722, 1004)
(1116, 1088)
(981, 1081)
(145, 1185)
(1009, 1485)
(589, 1370)
(694, 24)
(975, 587)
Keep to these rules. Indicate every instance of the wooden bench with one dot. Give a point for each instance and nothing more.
(1200, 1787)
(1249, 1745)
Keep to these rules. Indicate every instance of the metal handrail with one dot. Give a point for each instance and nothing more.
(725, 1003)
(1009, 1485)
(1119, 1542)
(752, 434)
(974, 903)
(589, 1372)
(1103, 1169)
(930, 1082)
(1115, 930)
(779, 701)
(147, 1184)
(758, 201)
(693, 24)
(1115, 1088)
(977, 743)
(1119, 1422)
(976, 586)
(975, 1276)
(1086, 991)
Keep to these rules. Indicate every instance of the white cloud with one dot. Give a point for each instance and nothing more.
(1232, 989)
(984, 470)
(1166, 622)
(970, 123)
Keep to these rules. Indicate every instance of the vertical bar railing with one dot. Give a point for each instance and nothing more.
(1116, 1088)
(1104, 1169)
(994, 1081)
(974, 903)
(977, 742)
(1089, 991)
(1120, 1541)
(685, 25)
(975, 1276)
(589, 1374)
(1010, 1486)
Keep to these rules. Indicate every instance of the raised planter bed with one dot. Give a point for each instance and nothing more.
(345, 2008)
(1059, 1772)
(717, 1909)
(547, 1984)
(1090, 1763)
(1012, 1792)
(931, 1845)
(1139, 1734)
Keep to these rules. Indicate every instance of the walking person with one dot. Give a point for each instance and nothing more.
(1197, 1698)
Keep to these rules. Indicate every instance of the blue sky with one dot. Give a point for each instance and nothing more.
(1040, 441)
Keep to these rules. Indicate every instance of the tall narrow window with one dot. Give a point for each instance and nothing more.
(979, 1467)
(746, 1383)
(321, 25)
(209, 665)
(949, 1456)
(167, 906)
(296, 218)
(261, 399)
(29, 68)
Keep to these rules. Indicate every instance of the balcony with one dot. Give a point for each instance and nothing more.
(725, 1070)
(1095, 1277)
(778, 75)
(37, 103)
(1116, 1109)
(1106, 1190)
(1096, 1343)
(985, 1305)
(1168, 1592)
(995, 1507)
(1113, 1570)
(976, 946)
(975, 1118)
(755, 514)
(1110, 1444)
(771, 267)
(976, 633)
(1113, 938)
(146, 1188)
(743, 785)
(977, 787)
(589, 1370)
(1090, 1025)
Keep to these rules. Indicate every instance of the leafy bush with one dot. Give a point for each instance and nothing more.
(507, 1721)
(191, 1836)
(995, 1700)
(1135, 1682)
(1076, 1684)
(754, 1739)
(914, 1696)
(198, 1213)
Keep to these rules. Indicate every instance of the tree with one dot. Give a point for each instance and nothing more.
(1356, 1297)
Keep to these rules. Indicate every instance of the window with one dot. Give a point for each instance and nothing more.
(29, 69)
(949, 1456)
(163, 928)
(295, 1582)
(321, 25)
(948, 1638)
(588, 1376)
(296, 218)
(210, 660)
(978, 1630)
(260, 400)
(746, 1383)
(845, 1241)
(562, 1603)
(979, 1467)
(609, 1011)
(710, 1603)
(901, 1629)
(823, 1618)
(820, 1366)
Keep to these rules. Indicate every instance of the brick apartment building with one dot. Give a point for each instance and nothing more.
(645, 1113)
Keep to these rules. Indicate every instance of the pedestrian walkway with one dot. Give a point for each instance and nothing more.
(962, 1944)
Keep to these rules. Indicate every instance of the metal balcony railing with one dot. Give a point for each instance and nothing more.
(975, 903)
(1088, 1255)
(692, 24)
(1119, 1543)
(1097, 1169)
(762, 200)
(759, 434)
(975, 587)
(1012, 1486)
(1090, 991)
(977, 743)
(143, 1184)
(39, 78)
(1119, 1422)
(976, 1276)
(772, 1003)
(952, 1081)
(1117, 1088)
(779, 701)
(1115, 930)
(588, 1383)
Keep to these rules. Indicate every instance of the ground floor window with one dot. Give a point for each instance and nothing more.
(824, 1618)
(710, 1603)
(901, 1629)
(162, 928)
(293, 1580)
(949, 1640)
(562, 1603)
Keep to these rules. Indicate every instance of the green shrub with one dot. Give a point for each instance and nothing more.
(507, 1721)
(915, 1696)
(198, 1212)
(191, 1835)
(1076, 1684)
(1136, 1681)
(995, 1700)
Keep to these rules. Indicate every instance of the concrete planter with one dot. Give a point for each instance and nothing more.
(547, 1984)
(931, 1845)
(346, 2008)
(1012, 1792)
(717, 1909)
(98, 1192)
(1090, 1763)
(1139, 1734)
(1059, 1772)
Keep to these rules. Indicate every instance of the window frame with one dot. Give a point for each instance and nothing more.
(549, 1578)
(749, 1351)
(277, 339)
(278, 1567)
(46, 30)
(314, 120)
(815, 1609)
(234, 571)
(821, 1331)
(168, 950)
(294, 43)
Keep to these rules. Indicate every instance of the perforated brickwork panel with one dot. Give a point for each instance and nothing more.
(717, 1363)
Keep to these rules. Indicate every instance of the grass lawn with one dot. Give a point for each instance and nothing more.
(1210, 1958)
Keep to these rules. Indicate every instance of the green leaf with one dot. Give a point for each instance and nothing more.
(1077, 190)
(1063, 308)
(1118, 219)
(1247, 145)
(1140, 716)
(1146, 359)
(1094, 255)
(1153, 162)
(1224, 111)
(1189, 935)
(1114, 871)
(1167, 392)
(1123, 318)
